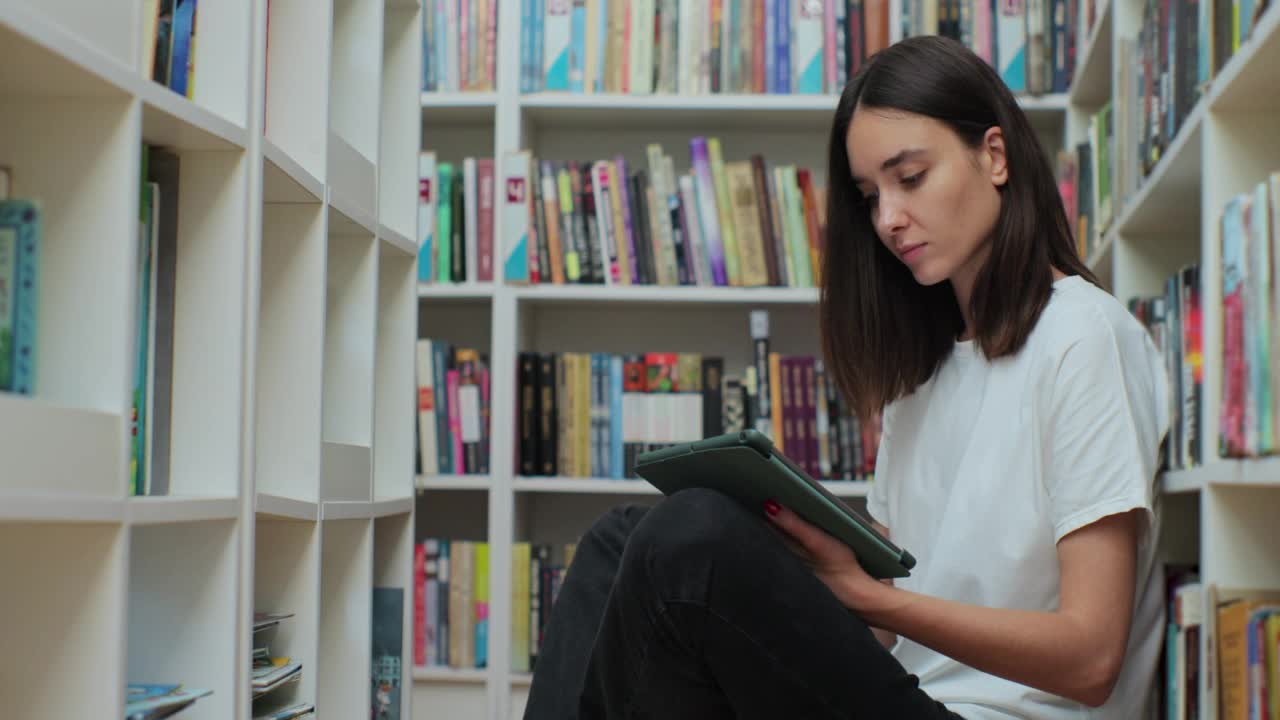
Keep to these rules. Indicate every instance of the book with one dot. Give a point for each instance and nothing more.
(387, 673)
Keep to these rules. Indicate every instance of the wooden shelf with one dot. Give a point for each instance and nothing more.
(459, 291)
(1169, 198)
(284, 180)
(434, 674)
(1248, 81)
(60, 509)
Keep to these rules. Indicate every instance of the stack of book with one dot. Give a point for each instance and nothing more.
(1175, 321)
(152, 702)
(1250, 391)
(459, 45)
(169, 36)
(453, 409)
(592, 414)
(20, 231)
(451, 601)
(721, 223)
(270, 672)
(693, 48)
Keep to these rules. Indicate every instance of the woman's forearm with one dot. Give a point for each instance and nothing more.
(1050, 651)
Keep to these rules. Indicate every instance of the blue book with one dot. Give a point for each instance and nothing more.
(184, 27)
(616, 471)
(387, 674)
(21, 219)
(782, 47)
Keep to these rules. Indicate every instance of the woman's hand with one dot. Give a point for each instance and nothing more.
(831, 560)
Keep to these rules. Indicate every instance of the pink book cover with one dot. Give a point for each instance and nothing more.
(982, 32)
(484, 230)
(491, 43)
(419, 605)
(455, 422)
(464, 46)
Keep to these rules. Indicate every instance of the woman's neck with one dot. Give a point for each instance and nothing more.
(962, 284)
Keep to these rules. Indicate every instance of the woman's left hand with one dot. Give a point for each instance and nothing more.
(831, 560)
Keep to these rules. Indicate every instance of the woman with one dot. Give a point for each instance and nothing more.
(1023, 411)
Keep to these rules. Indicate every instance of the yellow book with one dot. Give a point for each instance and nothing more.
(775, 397)
(746, 220)
(572, 268)
(733, 271)
(583, 412)
(480, 602)
(619, 228)
(520, 554)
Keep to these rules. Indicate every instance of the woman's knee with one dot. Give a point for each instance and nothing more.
(695, 525)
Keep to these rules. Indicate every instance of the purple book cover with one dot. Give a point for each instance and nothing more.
(706, 191)
(621, 163)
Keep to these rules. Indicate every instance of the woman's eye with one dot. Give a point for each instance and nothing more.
(871, 199)
(912, 179)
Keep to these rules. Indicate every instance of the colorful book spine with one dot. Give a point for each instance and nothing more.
(806, 33)
(484, 219)
(445, 180)
(514, 224)
(557, 36)
(707, 210)
(22, 218)
(1011, 43)
(427, 189)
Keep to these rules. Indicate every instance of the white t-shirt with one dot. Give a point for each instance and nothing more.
(987, 465)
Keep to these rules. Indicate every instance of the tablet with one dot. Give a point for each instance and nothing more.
(747, 467)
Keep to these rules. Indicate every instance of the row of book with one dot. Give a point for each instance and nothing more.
(1175, 321)
(1180, 47)
(451, 601)
(169, 34)
(455, 208)
(270, 672)
(453, 409)
(155, 306)
(1084, 181)
(592, 414)
(721, 223)
(1243, 650)
(1250, 391)
(21, 227)
(459, 45)
(1032, 45)
(695, 47)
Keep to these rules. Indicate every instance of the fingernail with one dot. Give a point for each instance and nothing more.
(771, 507)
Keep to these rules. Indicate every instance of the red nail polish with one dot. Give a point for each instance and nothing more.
(771, 507)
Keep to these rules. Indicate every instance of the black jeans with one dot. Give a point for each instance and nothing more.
(696, 609)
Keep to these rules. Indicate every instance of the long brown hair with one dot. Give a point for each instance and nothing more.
(883, 333)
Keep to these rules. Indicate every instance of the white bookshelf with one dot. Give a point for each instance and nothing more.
(1220, 514)
(291, 473)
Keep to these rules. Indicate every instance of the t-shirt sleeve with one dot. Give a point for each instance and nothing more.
(1108, 414)
(878, 496)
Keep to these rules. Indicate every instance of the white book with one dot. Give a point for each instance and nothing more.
(557, 35)
(687, 48)
(470, 194)
(513, 216)
(1011, 43)
(428, 192)
(806, 51)
(689, 200)
(603, 191)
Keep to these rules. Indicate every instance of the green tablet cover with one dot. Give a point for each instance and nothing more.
(745, 466)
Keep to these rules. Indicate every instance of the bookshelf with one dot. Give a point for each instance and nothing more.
(290, 476)
(1217, 513)
(1220, 508)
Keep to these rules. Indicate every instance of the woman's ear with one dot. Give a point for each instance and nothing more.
(997, 162)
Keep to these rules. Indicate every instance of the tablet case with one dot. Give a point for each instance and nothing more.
(745, 466)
